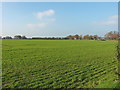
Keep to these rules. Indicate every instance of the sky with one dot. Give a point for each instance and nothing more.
(58, 19)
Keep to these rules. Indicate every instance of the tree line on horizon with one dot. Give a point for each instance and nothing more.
(113, 35)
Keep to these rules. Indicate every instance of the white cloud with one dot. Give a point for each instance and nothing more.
(41, 15)
(52, 19)
(112, 20)
(44, 19)
(115, 17)
(38, 25)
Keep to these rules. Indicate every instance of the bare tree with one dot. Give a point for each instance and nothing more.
(80, 37)
(70, 37)
(86, 37)
(95, 37)
(113, 35)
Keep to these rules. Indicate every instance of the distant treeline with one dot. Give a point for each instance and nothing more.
(113, 35)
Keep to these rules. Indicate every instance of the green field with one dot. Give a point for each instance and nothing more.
(59, 64)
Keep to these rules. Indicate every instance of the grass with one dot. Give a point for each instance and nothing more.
(59, 64)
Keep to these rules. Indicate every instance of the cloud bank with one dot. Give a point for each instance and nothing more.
(42, 15)
(38, 25)
(44, 18)
(112, 20)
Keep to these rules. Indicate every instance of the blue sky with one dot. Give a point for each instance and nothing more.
(59, 18)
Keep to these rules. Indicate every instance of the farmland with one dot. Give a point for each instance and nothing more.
(59, 64)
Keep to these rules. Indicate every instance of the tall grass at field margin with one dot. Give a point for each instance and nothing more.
(118, 57)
